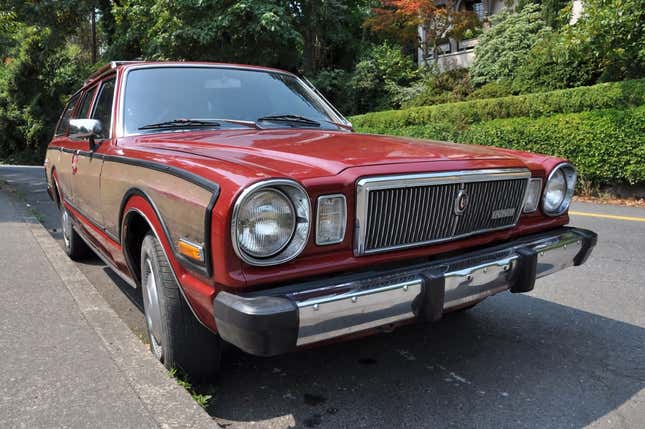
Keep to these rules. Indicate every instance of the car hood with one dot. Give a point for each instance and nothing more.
(309, 153)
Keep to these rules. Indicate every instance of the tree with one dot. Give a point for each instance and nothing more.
(503, 48)
(607, 43)
(42, 64)
(330, 30)
(426, 22)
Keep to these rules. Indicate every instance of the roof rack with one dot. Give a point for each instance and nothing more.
(108, 67)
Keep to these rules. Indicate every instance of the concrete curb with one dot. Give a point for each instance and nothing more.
(168, 403)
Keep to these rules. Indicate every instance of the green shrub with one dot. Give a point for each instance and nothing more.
(437, 88)
(379, 77)
(335, 86)
(507, 44)
(34, 86)
(503, 88)
(607, 146)
(463, 114)
(604, 45)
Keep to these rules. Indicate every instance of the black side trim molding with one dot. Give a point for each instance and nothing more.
(213, 187)
(169, 169)
(203, 270)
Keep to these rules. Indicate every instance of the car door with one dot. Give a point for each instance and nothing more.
(61, 160)
(76, 149)
(90, 163)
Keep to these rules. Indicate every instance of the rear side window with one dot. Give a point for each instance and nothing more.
(87, 103)
(103, 107)
(63, 122)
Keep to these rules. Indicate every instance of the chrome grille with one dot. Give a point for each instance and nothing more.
(395, 212)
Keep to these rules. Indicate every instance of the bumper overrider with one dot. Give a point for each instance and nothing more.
(278, 320)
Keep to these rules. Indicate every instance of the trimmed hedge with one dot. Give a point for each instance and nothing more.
(606, 146)
(461, 115)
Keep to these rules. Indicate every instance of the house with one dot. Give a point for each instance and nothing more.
(461, 53)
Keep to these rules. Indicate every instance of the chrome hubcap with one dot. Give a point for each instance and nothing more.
(66, 222)
(152, 309)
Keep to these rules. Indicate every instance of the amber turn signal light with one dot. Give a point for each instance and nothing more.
(190, 250)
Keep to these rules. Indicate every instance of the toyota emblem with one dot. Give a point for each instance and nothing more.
(461, 202)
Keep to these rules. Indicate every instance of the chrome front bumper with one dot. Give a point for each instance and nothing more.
(278, 320)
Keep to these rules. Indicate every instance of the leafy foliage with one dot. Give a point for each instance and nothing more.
(437, 88)
(501, 88)
(465, 113)
(606, 44)
(580, 137)
(438, 21)
(379, 77)
(337, 86)
(285, 34)
(507, 44)
(34, 86)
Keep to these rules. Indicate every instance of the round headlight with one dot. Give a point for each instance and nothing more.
(270, 223)
(265, 223)
(559, 189)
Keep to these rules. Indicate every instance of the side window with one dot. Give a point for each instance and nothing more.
(87, 102)
(63, 122)
(103, 107)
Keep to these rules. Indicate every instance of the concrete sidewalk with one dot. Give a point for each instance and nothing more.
(66, 359)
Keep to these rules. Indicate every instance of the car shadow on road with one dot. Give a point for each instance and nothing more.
(513, 361)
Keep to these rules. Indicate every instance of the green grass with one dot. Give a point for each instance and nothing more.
(182, 379)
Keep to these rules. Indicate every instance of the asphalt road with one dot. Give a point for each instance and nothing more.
(569, 354)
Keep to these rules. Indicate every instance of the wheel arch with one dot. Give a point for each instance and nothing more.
(138, 215)
(133, 225)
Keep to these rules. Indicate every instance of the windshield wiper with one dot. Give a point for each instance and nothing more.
(182, 123)
(294, 119)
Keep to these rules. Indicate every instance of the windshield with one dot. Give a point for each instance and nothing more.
(167, 94)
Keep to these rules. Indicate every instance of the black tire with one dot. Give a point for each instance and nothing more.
(176, 337)
(75, 247)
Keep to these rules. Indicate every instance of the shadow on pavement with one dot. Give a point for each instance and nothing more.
(513, 361)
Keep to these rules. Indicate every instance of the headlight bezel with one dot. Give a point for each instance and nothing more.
(300, 202)
(570, 177)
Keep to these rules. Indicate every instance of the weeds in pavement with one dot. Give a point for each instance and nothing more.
(182, 380)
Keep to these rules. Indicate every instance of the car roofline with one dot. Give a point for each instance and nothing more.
(115, 65)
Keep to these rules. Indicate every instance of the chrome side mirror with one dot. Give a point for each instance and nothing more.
(84, 129)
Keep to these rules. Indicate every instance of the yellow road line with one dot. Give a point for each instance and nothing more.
(606, 216)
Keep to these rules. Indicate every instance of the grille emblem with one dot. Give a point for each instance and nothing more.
(502, 213)
(461, 202)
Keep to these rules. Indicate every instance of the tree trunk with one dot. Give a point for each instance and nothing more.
(94, 48)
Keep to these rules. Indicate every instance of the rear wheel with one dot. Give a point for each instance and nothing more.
(75, 247)
(177, 339)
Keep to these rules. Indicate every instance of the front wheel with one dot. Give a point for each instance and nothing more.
(177, 339)
(75, 247)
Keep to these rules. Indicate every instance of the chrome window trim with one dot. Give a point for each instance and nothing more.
(106, 77)
(318, 218)
(274, 259)
(120, 118)
(367, 184)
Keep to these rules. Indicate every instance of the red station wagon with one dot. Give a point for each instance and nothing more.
(247, 210)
